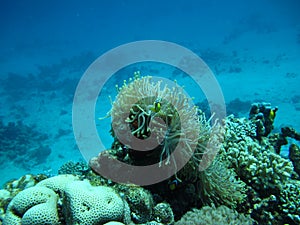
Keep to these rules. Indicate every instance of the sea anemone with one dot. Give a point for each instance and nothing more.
(158, 122)
(157, 127)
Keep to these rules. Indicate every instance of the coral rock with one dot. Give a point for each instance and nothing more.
(86, 204)
(163, 213)
(58, 183)
(35, 205)
(294, 155)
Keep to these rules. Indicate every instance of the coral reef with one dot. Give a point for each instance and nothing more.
(255, 163)
(279, 208)
(162, 213)
(140, 201)
(143, 207)
(80, 169)
(272, 191)
(13, 187)
(263, 115)
(280, 139)
(23, 145)
(142, 102)
(294, 155)
(212, 215)
(237, 106)
(26, 181)
(5, 198)
(48, 78)
(246, 182)
(289, 202)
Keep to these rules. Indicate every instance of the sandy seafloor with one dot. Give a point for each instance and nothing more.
(267, 62)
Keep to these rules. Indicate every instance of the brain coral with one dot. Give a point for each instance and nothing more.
(45, 213)
(35, 205)
(85, 204)
(58, 183)
(81, 203)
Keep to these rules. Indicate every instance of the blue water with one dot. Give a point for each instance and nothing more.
(253, 48)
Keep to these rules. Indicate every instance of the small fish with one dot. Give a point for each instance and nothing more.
(272, 113)
(156, 105)
(173, 184)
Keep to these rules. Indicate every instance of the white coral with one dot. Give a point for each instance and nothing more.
(87, 204)
(58, 183)
(35, 205)
(83, 203)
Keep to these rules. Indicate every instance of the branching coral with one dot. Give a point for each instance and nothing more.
(282, 208)
(77, 168)
(290, 202)
(212, 215)
(255, 163)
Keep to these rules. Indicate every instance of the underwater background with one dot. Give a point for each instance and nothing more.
(252, 47)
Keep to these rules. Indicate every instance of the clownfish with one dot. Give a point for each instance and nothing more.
(173, 184)
(156, 105)
(272, 114)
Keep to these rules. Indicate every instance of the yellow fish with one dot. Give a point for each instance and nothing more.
(156, 105)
